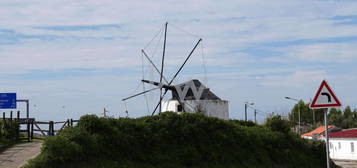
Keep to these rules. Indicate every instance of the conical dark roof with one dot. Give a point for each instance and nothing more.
(206, 94)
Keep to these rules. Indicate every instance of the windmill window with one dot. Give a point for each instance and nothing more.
(352, 147)
(179, 108)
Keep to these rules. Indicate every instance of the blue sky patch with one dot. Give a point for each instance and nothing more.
(345, 20)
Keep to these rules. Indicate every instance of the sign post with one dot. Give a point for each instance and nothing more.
(325, 98)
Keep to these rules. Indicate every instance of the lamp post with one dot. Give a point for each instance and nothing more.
(298, 110)
(246, 104)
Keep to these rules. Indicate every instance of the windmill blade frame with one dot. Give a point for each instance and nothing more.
(183, 64)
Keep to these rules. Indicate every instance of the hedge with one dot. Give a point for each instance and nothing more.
(171, 140)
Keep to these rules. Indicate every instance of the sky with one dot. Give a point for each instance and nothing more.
(71, 58)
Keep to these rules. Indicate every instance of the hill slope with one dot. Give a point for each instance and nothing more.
(171, 140)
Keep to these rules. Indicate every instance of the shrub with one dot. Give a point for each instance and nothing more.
(175, 141)
(244, 123)
(9, 132)
(276, 123)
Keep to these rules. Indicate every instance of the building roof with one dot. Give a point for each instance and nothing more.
(207, 94)
(317, 131)
(351, 133)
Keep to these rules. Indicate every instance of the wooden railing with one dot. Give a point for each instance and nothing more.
(31, 125)
(51, 131)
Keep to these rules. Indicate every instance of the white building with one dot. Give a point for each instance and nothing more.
(343, 145)
(195, 97)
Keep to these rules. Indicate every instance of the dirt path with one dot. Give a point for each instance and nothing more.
(19, 154)
(346, 163)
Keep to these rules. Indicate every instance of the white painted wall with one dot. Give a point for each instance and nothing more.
(212, 108)
(344, 150)
(170, 105)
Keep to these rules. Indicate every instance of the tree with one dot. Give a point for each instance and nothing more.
(307, 115)
(335, 117)
(276, 123)
(344, 119)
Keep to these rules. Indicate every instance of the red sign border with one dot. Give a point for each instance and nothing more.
(313, 105)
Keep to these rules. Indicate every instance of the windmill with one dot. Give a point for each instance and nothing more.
(190, 96)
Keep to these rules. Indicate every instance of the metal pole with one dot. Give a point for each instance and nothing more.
(327, 143)
(255, 116)
(245, 109)
(27, 109)
(299, 118)
(313, 115)
(157, 70)
(162, 66)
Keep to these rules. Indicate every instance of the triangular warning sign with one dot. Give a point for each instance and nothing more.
(325, 97)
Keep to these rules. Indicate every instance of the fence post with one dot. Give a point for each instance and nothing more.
(49, 128)
(51, 132)
(3, 118)
(53, 129)
(71, 122)
(28, 131)
(32, 129)
(11, 115)
(18, 115)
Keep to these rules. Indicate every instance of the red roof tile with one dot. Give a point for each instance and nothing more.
(351, 133)
(318, 130)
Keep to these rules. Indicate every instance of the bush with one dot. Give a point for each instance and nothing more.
(9, 132)
(175, 141)
(276, 123)
(244, 123)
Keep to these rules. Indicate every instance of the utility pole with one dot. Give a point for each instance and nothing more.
(245, 111)
(299, 128)
(246, 104)
(255, 116)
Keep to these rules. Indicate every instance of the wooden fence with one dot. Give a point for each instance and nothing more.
(31, 125)
(51, 131)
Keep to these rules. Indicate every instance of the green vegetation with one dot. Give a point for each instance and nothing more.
(9, 132)
(306, 114)
(345, 118)
(276, 123)
(170, 140)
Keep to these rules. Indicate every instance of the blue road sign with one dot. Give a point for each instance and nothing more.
(7, 100)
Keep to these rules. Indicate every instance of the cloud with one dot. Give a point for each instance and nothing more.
(323, 52)
(298, 79)
(248, 46)
(79, 28)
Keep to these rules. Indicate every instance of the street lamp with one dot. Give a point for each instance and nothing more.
(246, 104)
(298, 110)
